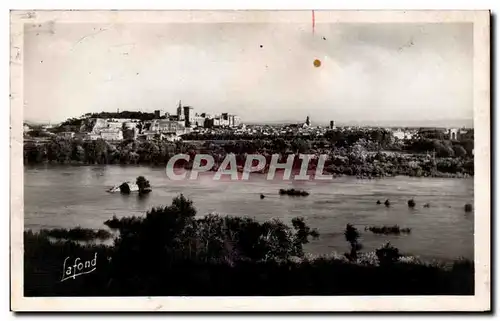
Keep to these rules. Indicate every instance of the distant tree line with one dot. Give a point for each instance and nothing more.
(361, 159)
(60, 150)
(143, 116)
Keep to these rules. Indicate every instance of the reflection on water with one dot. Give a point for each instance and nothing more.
(69, 196)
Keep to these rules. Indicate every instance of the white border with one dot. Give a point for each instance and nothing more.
(479, 302)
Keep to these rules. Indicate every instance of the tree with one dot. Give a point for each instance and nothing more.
(300, 145)
(468, 145)
(443, 150)
(124, 188)
(387, 254)
(78, 152)
(33, 153)
(143, 184)
(459, 151)
(352, 235)
(128, 134)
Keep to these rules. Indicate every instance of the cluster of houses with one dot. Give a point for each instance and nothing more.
(448, 133)
(186, 116)
(163, 126)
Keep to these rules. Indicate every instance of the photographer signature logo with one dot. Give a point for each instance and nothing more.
(78, 268)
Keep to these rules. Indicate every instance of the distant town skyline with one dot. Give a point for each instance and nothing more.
(369, 73)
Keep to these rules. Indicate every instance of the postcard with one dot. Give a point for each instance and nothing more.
(305, 160)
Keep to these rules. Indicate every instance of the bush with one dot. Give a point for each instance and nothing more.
(352, 235)
(312, 276)
(293, 192)
(171, 234)
(459, 151)
(387, 254)
(77, 234)
(170, 252)
(124, 188)
(143, 185)
(386, 230)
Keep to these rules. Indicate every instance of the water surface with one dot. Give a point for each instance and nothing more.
(69, 196)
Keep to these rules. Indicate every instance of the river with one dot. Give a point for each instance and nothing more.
(70, 196)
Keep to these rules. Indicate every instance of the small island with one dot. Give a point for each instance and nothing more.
(141, 185)
(293, 192)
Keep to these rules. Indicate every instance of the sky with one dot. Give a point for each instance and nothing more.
(263, 72)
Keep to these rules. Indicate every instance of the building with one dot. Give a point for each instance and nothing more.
(198, 121)
(93, 136)
(46, 127)
(224, 120)
(99, 125)
(180, 113)
(188, 115)
(67, 135)
(237, 121)
(129, 125)
(111, 134)
(82, 136)
(308, 121)
(456, 133)
(234, 121)
(150, 135)
(114, 124)
(208, 122)
(332, 124)
(171, 137)
(168, 126)
(402, 134)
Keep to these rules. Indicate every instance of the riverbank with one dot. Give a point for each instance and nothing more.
(355, 160)
(216, 255)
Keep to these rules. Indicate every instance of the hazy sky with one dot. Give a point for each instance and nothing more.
(262, 72)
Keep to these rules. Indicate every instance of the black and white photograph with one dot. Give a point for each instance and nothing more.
(312, 154)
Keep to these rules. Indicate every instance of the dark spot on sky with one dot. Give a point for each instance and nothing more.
(37, 33)
(41, 61)
(324, 38)
(136, 74)
(39, 25)
(261, 46)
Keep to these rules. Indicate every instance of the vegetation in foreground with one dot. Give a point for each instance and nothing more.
(170, 252)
